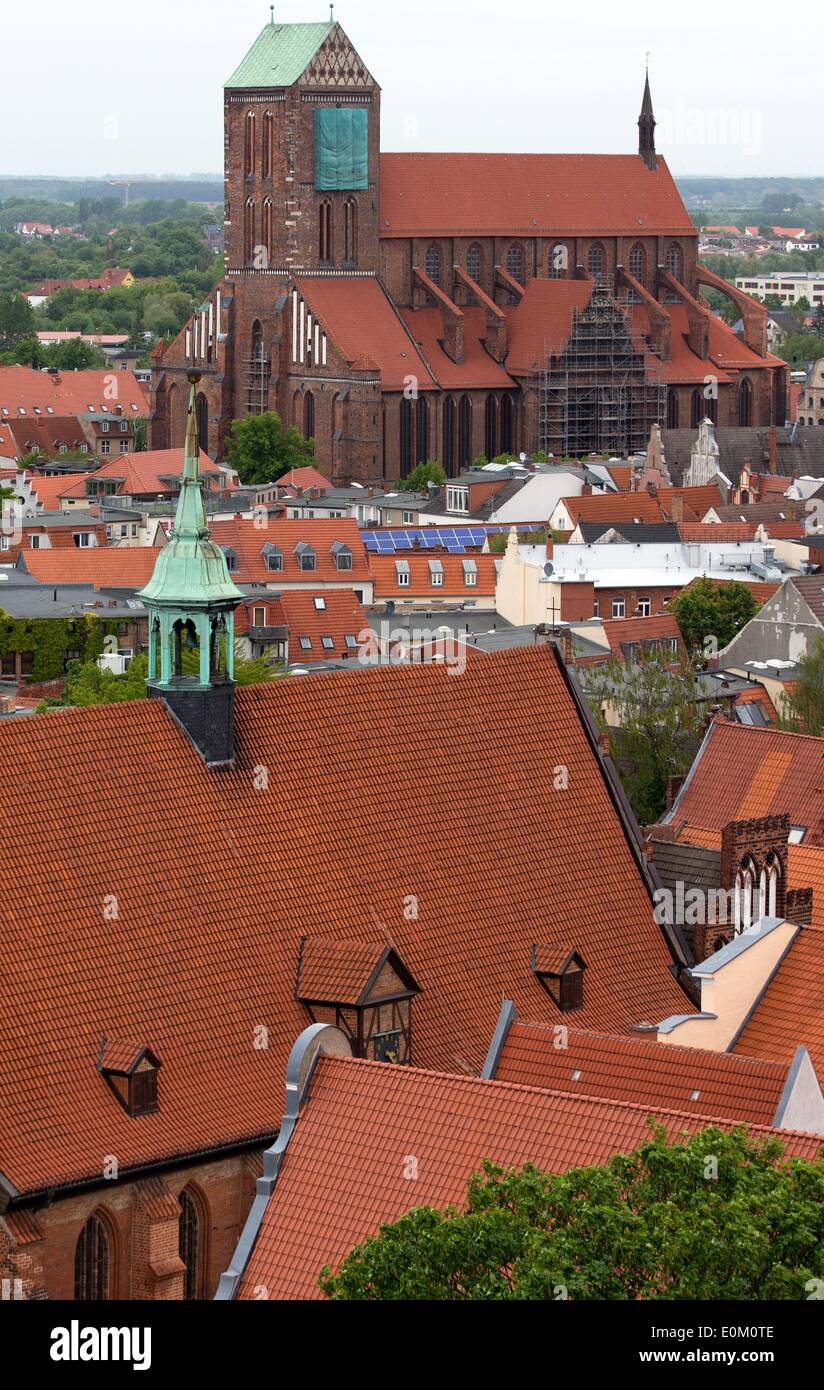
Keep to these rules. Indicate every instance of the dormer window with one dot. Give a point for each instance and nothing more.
(104, 426)
(231, 559)
(273, 558)
(306, 558)
(563, 980)
(130, 1071)
(342, 555)
(364, 989)
(436, 574)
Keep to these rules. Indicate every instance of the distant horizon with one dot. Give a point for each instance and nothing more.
(217, 176)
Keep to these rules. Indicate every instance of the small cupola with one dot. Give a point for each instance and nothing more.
(561, 977)
(364, 989)
(130, 1071)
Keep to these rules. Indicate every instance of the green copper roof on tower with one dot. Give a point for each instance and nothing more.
(280, 55)
(191, 569)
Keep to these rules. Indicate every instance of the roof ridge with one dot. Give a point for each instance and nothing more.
(645, 1042)
(405, 1072)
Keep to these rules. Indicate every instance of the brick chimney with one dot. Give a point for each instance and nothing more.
(677, 509)
(773, 463)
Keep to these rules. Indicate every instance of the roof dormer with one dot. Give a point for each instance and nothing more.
(562, 978)
(364, 989)
(130, 1070)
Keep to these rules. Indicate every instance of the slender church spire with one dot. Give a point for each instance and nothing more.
(646, 128)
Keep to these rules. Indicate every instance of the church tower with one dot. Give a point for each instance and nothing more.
(302, 154)
(191, 600)
(646, 129)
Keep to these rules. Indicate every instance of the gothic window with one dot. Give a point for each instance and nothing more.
(638, 263)
(475, 262)
(597, 259)
(745, 403)
(92, 1260)
(325, 249)
(515, 263)
(449, 436)
(268, 145)
(350, 231)
(202, 418)
(434, 263)
(249, 231)
(558, 261)
(711, 409)
(193, 1230)
(697, 411)
(507, 425)
(422, 430)
(405, 437)
(249, 145)
(674, 262)
(267, 230)
(309, 416)
(491, 428)
(672, 410)
(464, 432)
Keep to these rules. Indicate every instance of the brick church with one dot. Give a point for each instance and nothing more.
(405, 307)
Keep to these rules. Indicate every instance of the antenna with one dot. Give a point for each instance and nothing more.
(272, 13)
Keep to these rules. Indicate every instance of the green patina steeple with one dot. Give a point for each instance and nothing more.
(191, 597)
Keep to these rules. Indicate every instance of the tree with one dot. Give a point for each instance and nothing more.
(708, 612)
(89, 684)
(803, 711)
(717, 1217)
(425, 473)
(16, 320)
(261, 449)
(655, 727)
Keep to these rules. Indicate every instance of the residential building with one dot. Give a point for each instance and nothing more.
(787, 285)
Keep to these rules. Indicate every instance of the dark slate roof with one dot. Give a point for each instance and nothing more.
(751, 446)
(811, 589)
(639, 533)
(687, 864)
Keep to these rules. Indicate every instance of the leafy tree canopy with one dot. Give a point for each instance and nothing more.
(803, 711)
(425, 473)
(261, 449)
(708, 612)
(89, 684)
(720, 1216)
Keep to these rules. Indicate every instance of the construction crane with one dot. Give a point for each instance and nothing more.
(121, 183)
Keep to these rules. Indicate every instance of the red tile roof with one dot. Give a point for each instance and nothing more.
(528, 195)
(710, 533)
(342, 616)
(359, 318)
(106, 567)
(70, 393)
(370, 1116)
(302, 479)
(621, 630)
(478, 369)
(543, 317)
(49, 490)
(615, 506)
(642, 1072)
(385, 575)
(247, 540)
(775, 773)
(146, 473)
(202, 955)
(791, 1010)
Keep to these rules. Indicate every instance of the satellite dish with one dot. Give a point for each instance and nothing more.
(549, 569)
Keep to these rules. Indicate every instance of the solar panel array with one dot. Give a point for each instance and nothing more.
(454, 539)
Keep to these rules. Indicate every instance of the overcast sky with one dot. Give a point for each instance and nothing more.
(91, 88)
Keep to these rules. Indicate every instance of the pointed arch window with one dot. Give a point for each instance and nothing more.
(434, 263)
(597, 259)
(93, 1260)
(558, 261)
(515, 262)
(745, 403)
(422, 430)
(507, 425)
(449, 436)
(267, 231)
(194, 1227)
(638, 263)
(464, 432)
(672, 410)
(325, 246)
(249, 144)
(674, 261)
(268, 145)
(697, 409)
(405, 431)
(309, 416)
(475, 262)
(491, 429)
(249, 231)
(202, 418)
(350, 231)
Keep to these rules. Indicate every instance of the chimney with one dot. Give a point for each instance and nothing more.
(773, 450)
(677, 508)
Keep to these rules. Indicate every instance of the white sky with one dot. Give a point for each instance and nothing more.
(90, 87)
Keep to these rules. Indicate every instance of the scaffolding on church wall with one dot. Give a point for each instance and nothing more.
(601, 391)
(256, 375)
